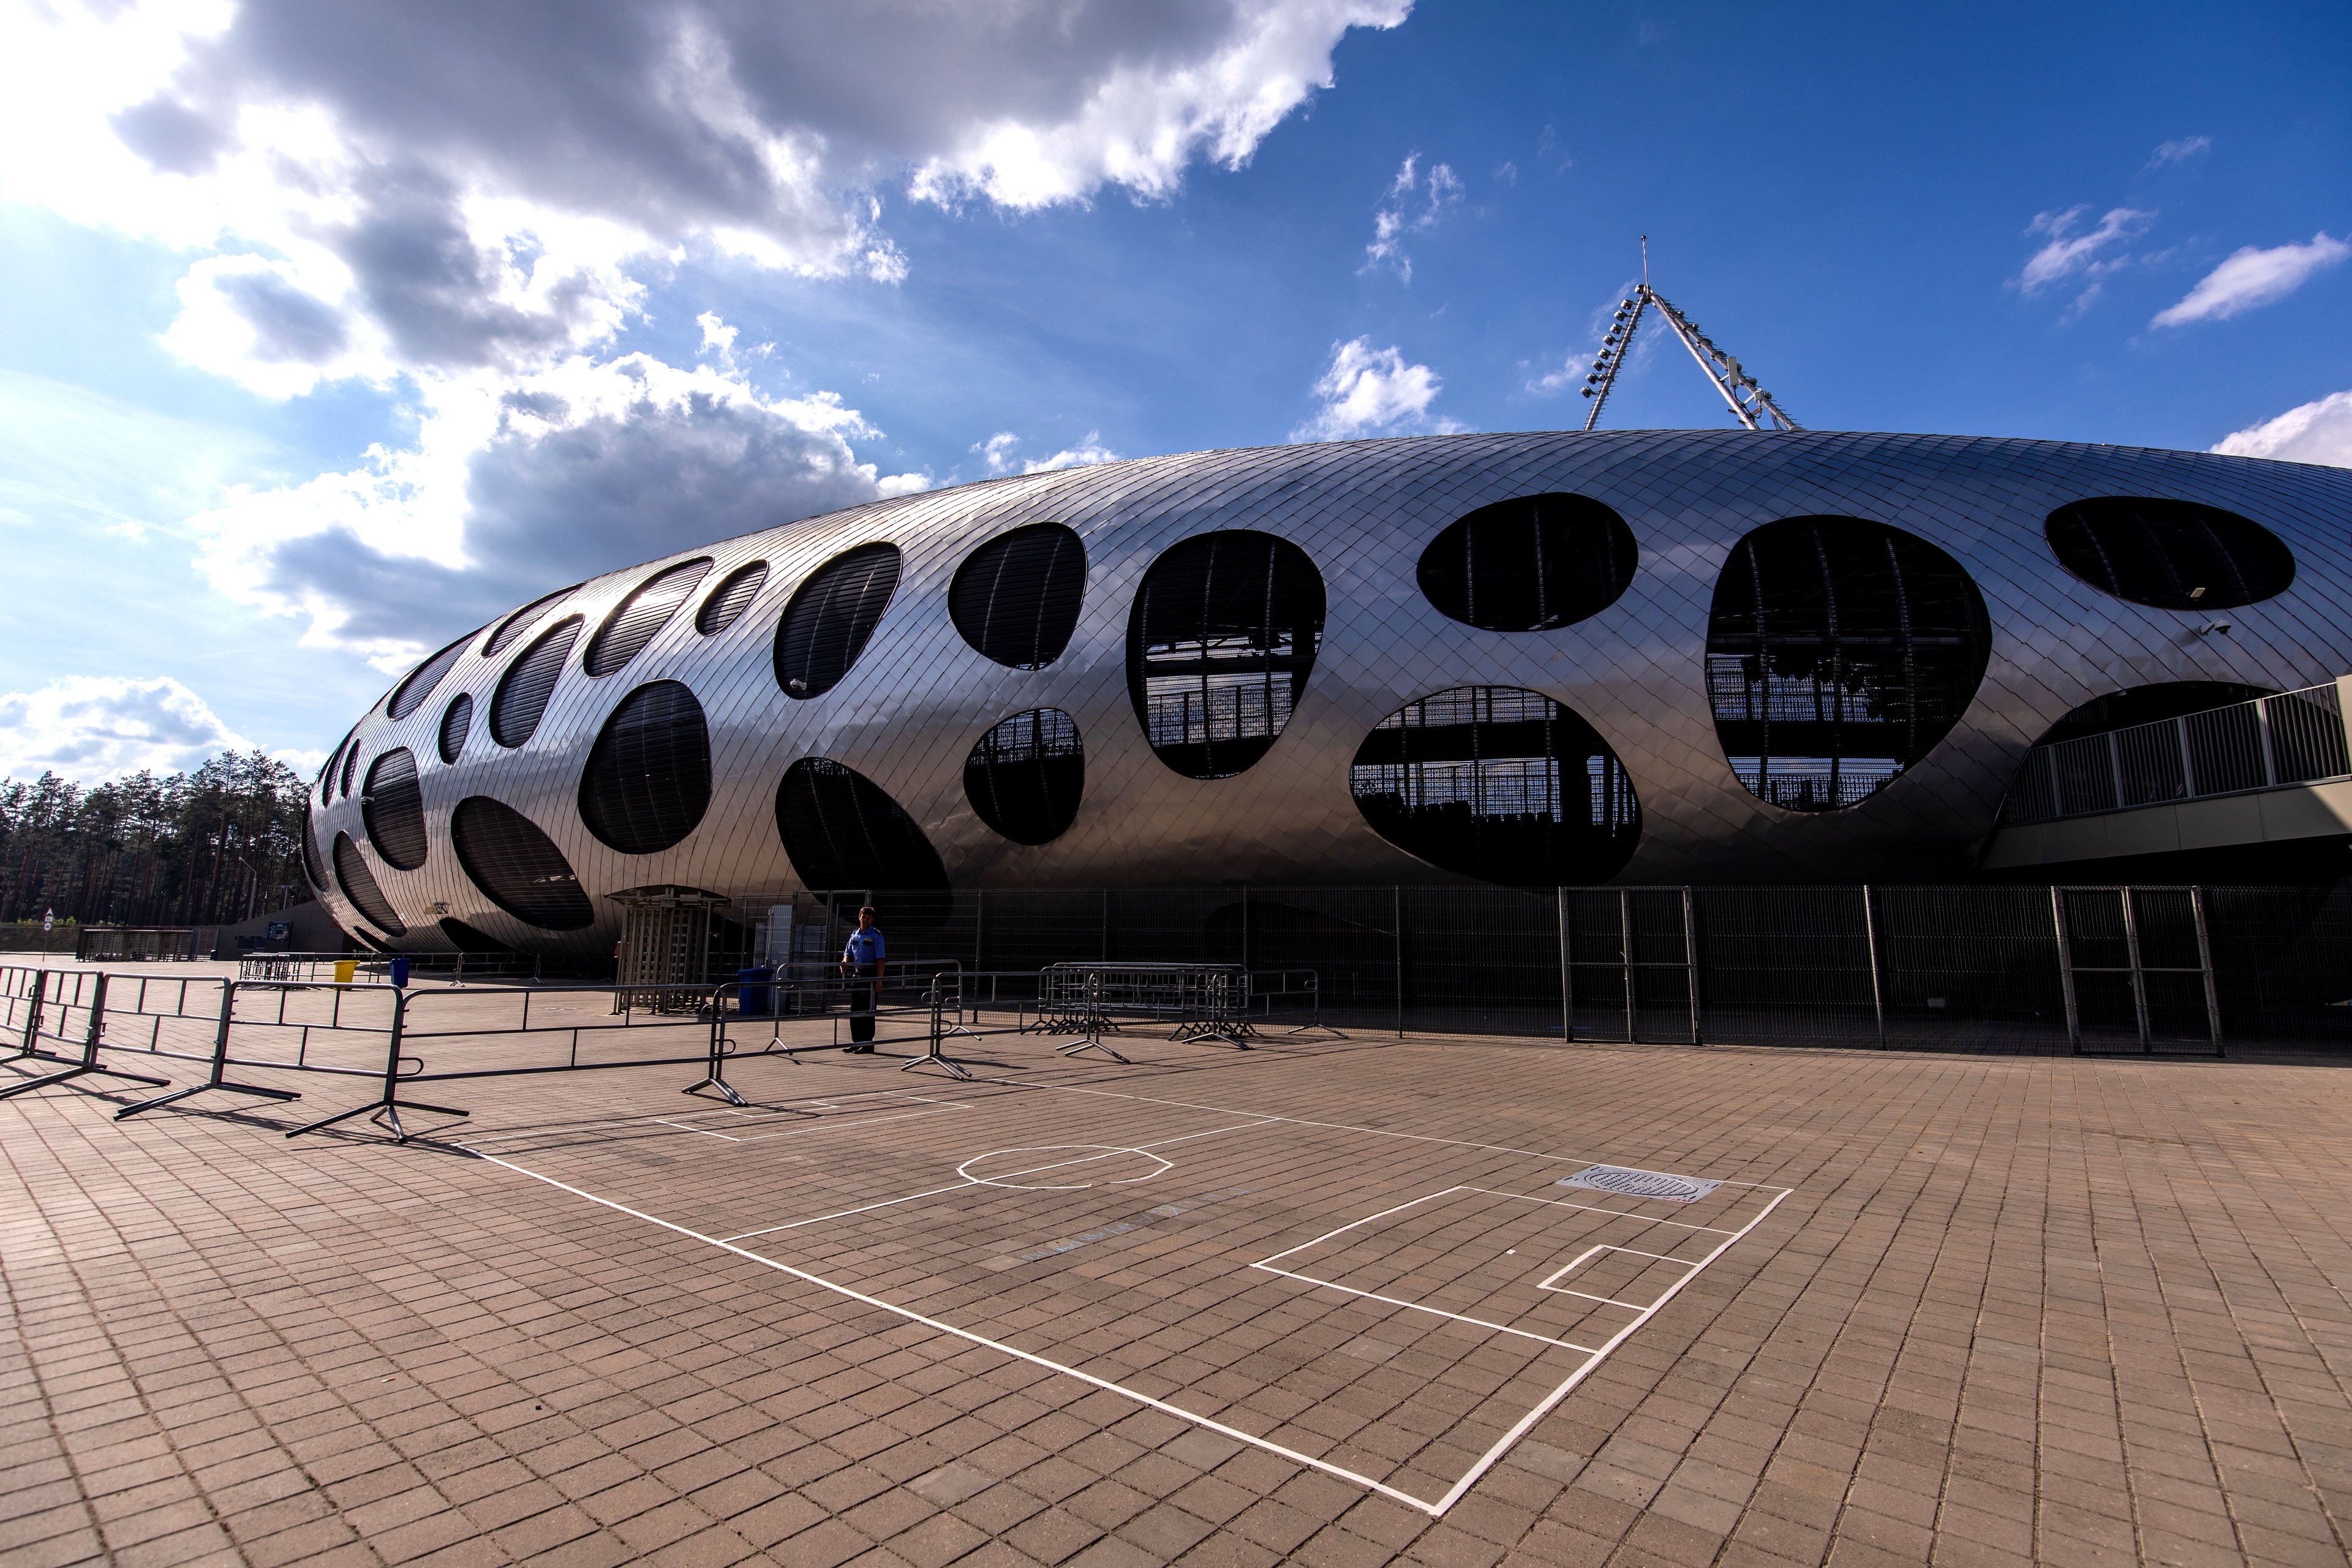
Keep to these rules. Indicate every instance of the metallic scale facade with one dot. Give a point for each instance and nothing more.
(1924, 561)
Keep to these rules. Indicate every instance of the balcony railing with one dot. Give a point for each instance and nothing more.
(2296, 737)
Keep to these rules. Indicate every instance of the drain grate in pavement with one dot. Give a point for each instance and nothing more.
(1629, 1183)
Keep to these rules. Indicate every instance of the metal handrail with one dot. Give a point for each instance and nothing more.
(2266, 742)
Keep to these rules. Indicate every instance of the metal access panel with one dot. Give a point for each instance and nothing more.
(1629, 969)
(2137, 964)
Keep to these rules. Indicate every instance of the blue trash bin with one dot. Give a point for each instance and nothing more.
(400, 970)
(751, 991)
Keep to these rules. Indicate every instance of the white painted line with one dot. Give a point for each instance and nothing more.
(1432, 1311)
(1014, 1351)
(1590, 1208)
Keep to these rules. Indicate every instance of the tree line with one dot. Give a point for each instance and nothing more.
(212, 847)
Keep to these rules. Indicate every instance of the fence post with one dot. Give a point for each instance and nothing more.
(2066, 969)
(1625, 954)
(979, 933)
(388, 1105)
(1396, 923)
(2116, 769)
(218, 1077)
(2189, 790)
(88, 1062)
(32, 1045)
(1567, 974)
(2139, 980)
(2263, 738)
(1690, 962)
(1870, 939)
(2205, 958)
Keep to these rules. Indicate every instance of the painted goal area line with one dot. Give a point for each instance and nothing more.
(1395, 1309)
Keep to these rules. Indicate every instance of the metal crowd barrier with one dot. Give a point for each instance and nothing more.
(2296, 737)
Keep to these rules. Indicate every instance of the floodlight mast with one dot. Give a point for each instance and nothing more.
(1750, 403)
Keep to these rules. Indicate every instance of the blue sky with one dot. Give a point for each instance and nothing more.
(332, 329)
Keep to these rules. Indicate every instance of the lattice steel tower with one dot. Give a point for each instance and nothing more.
(1750, 403)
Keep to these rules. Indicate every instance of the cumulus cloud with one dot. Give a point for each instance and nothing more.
(2250, 277)
(93, 728)
(1373, 392)
(431, 184)
(2317, 432)
(1414, 203)
(2069, 254)
(2179, 151)
(516, 485)
(1002, 454)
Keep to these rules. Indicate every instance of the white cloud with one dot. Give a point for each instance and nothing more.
(93, 728)
(517, 484)
(2317, 432)
(2250, 277)
(1001, 453)
(2181, 150)
(454, 187)
(1373, 392)
(2068, 254)
(1395, 218)
(1603, 321)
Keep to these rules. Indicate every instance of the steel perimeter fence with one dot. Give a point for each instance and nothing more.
(1967, 968)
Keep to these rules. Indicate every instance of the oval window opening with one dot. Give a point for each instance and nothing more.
(411, 693)
(510, 630)
(1529, 565)
(1839, 652)
(327, 774)
(456, 721)
(634, 623)
(825, 627)
(2170, 555)
(841, 831)
(730, 598)
(358, 884)
(522, 698)
(351, 767)
(466, 939)
(1219, 647)
(517, 867)
(1026, 776)
(1499, 784)
(1017, 598)
(392, 809)
(310, 866)
(647, 781)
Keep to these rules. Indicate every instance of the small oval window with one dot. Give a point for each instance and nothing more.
(647, 781)
(644, 613)
(1219, 647)
(456, 720)
(522, 694)
(1025, 777)
(1016, 598)
(392, 809)
(2170, 555)
(1532, 563)
(730, 598)
(825, 627)
(1499, 784)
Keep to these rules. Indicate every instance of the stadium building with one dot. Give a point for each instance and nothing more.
(1628, 657)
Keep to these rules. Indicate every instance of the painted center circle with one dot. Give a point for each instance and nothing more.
(1063, 1167)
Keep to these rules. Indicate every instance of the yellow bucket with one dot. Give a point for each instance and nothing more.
(344, 969)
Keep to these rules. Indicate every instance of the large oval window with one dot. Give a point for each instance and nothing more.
(392, 809)
(825, 627)
(842, 831)
(632, 624)
(523, 691)
(1219, 647)
(1500, 784)
(1839, 652)
(411, 693)
(647, 781)
(1529, 565)
(517, 867)
(359, 886)
(2170, 555)
(1025, 777)
(1016, 598)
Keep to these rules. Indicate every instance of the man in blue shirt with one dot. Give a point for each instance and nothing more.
(863, 957)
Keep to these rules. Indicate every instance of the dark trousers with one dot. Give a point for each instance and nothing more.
(861, 1007)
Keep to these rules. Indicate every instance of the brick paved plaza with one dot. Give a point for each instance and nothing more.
(1947, 1308)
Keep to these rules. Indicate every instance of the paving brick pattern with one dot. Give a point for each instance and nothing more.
(2012, 1310)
